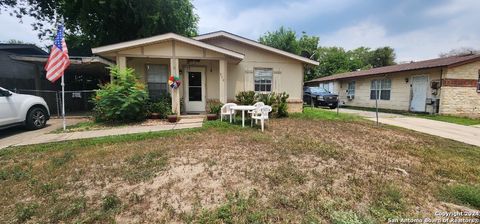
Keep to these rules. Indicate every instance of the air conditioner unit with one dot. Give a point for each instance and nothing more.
(350, 97)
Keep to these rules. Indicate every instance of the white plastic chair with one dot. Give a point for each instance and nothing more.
(227, 111)
(257, 106)
(262, 115)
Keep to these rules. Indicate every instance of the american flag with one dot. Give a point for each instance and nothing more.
(58, 60)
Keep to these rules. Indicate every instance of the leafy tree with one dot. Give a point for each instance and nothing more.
(283, 39)
(101, 22)
(383, 56)
(286, 39)
(333, 60)
(459, 51)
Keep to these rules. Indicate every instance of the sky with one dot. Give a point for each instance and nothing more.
(416, 29)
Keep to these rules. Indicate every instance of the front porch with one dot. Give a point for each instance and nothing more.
(202, 68)
(201, 80)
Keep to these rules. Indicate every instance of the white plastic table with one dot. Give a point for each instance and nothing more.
(243, 108)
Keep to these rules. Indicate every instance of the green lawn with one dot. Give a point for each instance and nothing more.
(315, 167)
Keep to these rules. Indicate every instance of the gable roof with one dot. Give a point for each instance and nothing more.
(255, 44)
(164, 37)
(452, 61)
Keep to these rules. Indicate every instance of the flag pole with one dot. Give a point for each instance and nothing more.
(63, 91)
(63, 105)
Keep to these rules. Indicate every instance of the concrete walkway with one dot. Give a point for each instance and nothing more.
(29, 138)
(461, 133)
(16, 135)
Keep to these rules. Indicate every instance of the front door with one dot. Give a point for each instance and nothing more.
(419, 93)
(195, 90)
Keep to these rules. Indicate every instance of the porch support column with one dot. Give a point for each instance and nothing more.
(175, 92)
(122, 62)
(223, 81)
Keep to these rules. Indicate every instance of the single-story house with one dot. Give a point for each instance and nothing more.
(216, 65)
(449, 85)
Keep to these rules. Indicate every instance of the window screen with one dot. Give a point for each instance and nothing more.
(157, 79)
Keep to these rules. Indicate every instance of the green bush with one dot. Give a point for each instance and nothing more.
(246, 97)
(282, 105)
(214, 106)
(267, 98)
(122, 100)
(161, 105)
(278, 101)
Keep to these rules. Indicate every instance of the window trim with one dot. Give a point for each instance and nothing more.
(254, 77)
(378, 92)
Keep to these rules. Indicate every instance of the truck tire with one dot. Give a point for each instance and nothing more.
(36, 118)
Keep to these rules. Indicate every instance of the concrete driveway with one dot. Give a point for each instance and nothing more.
(17, 135)
(461, 133)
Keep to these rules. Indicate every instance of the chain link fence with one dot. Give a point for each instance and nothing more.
(77, 101)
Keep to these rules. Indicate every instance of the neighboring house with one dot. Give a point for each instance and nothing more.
(448, 85)
(211, 66)
(22, 70)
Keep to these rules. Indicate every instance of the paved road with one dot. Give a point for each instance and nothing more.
(461, 133)
(21, 137)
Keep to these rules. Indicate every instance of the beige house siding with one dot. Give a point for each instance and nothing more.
(462, 101)
(400, 94)
(287, 73)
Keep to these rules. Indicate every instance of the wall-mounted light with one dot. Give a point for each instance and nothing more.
(406, 80)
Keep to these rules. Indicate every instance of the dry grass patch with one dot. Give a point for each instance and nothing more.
(299, 170)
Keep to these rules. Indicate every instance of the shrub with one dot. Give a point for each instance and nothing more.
(246, 97)
(282, 107)
(124, 99)
(214, 106)
(267, 98)
(161, 105)
(278, 101)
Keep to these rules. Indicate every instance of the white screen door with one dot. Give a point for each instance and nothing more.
(195, 90)
(419, 91)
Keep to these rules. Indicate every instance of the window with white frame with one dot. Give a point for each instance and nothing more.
(157, 78)
(382, 87)
(351, 88)
(263, 79)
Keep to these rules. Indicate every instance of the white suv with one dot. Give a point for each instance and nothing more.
(20, 109)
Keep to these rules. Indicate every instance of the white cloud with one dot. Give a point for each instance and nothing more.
(13, 29)
(417, 44)
(253, 22)
(455, 7)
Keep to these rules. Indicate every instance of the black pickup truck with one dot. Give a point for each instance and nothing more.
(318, 96)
